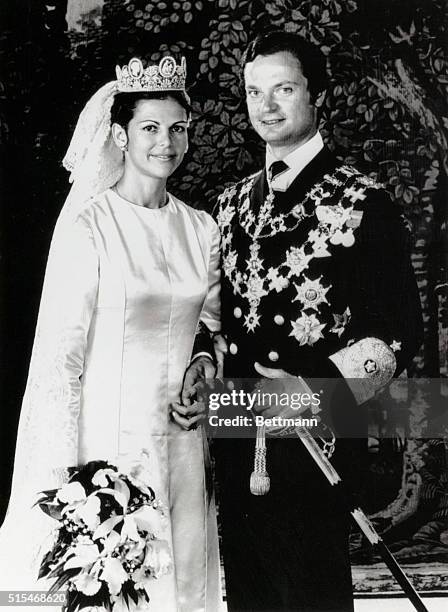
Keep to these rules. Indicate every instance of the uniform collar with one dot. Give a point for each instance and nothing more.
(296, 160)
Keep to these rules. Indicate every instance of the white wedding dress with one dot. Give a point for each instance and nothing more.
(124, 290)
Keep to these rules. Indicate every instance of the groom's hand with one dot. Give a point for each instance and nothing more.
(200, 369)
(277, 383)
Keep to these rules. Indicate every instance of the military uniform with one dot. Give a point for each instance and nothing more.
(317, 280)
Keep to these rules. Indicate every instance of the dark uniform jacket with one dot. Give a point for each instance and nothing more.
(328, 266)
(322, 271)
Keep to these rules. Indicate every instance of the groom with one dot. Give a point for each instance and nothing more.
(318, 283)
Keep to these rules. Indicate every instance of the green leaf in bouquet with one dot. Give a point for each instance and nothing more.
(53, 510)
(56, 571)
(125, 596)
(79, 601)
(85, 473)
(42, 500)
(118, 496)
(60, 582)
(132, 594)
(48, 494)
(43, 570)
(50, 558)
(76, 601)
(72, 602)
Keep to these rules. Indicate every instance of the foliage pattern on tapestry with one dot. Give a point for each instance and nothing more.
(385, 111)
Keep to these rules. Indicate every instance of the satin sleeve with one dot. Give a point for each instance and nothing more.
(211, 309)
(47, 441)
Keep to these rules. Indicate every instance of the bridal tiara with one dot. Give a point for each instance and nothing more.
(167, 75)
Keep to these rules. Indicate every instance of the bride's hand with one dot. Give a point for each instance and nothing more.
(188, 413)
(188, 417)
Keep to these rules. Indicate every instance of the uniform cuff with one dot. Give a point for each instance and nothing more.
(367, 366)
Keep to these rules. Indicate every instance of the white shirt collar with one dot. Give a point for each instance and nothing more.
(296, 160)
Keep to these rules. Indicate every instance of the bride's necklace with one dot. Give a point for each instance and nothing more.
(120, 195)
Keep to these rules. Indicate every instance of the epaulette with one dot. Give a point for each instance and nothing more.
(363, 179)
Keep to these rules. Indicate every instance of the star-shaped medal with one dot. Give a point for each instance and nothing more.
(254, 264)
(307, 329)
(251, 321)
(311, 293)
(395, 346)
(370, 366)
(340, 322)
(297, 261)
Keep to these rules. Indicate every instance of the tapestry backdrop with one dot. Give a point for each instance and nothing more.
(386, 111)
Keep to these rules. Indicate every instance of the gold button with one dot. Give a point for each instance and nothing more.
(237, 313)
(273, 356)
(279, 319)
(233, 348)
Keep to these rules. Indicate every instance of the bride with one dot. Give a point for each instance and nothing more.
(131, 273)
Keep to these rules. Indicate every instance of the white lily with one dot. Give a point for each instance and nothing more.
(82, 555)
(148, 519)
(136, 544)
(107, 526)
(130, 528)
(88, 512)
(142, 580)
(158, 557)
(114, 574)
(111, 542)
(86, 583)
(71, 493)
(102, 477)
(122, 493)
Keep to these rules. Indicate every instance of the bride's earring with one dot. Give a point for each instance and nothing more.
(120, 137)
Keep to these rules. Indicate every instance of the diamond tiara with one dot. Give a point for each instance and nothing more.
(167, 75)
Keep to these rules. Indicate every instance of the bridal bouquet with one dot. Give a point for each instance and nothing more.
(107, 550)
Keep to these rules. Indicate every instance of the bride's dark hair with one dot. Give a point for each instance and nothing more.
(124, 104)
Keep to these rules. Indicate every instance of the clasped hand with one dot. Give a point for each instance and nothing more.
(281, 390)
(278, 386)
(188, 412)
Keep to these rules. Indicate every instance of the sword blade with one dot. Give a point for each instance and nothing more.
(400, 577)
(361, 519)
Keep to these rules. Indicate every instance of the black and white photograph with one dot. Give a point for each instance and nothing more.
(224, 330)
